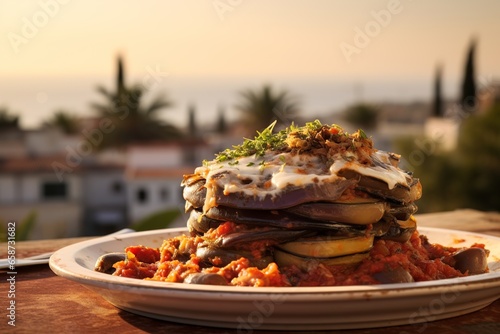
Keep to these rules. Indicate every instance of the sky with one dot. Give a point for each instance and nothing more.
(203, 52)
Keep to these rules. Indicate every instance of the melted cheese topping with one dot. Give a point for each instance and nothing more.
(266, 175)
(383, 170)
(272, 173)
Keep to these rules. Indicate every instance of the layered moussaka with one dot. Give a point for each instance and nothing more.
(305, 206)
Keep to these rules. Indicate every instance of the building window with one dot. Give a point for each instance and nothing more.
(164, 194)
(117, 187)
(142, 195)
(54, 190)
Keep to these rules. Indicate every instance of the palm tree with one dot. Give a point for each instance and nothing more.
(262, 107)
(132, 121)
(68, 123)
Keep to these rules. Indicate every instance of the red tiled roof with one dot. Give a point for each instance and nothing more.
(155, 173)
(48, 164)
(190, 142)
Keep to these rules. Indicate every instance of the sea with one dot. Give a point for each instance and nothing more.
(35, 99)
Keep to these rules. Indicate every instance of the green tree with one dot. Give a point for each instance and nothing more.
(468, 90)
(261, 107)
(132, 121)
(24, 229)
(8, 120)
(467, 177)
(157, 220)
(65, 121)
(479, 149)
(363, 115)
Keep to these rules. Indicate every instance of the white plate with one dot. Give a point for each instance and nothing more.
(306, 308)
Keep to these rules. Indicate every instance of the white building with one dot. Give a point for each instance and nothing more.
(104, 198)
(70, 194)
(154, 174)
(443, 132)
(76, 190)
(30, 185)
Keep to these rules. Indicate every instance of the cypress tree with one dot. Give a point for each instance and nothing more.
(468, 93)
(192, 129)
(120, 79)
(221, 122)
(437, 108)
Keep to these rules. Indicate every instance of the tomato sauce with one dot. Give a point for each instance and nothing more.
(176, 259)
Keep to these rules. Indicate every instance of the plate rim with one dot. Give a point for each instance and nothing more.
(453, 297)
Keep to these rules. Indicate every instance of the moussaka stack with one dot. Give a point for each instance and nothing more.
(300, 196)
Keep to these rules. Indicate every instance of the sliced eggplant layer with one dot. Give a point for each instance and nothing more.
(381, 227)
(288, 197)
(362, 213)
(328, 246)
(400, 193)
(283, 258)
(402, 212)
(270, 237)
(399, 230)
(281, 219)
(195, 192)
(199, 223)
(190, 179)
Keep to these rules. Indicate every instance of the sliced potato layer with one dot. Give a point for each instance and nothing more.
(352, 212)
(409, 223)
(282, 258)
(327, 247)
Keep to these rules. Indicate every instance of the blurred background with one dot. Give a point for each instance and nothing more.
(105, 105)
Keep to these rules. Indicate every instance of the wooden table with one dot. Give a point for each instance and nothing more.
(46, 303)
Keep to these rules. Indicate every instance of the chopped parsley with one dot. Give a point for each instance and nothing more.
(265, 140)
(291, 138)
(362, 134)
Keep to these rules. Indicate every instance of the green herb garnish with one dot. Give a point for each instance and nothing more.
(362, 134)
(265, 140)
(292, 138)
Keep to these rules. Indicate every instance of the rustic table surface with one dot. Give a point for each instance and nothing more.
(46, 303)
